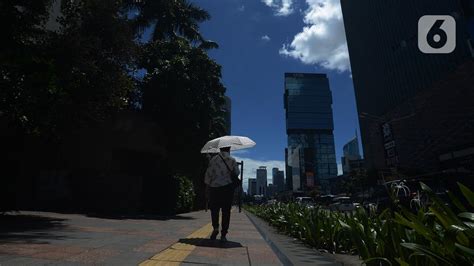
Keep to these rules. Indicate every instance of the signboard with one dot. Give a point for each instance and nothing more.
(389, 145)
(387, 132)
(391, 157)
(392, 161)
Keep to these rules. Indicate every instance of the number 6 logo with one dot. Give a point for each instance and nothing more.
(436, 34)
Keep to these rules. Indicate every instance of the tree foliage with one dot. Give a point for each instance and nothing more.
(55, 81)
(183, 88)
(23, 64)
(59, 80)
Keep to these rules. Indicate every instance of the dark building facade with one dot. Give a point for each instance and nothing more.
(412, 106)
(252, 189)
(278, 179)
(288, 171)
(310, 156)
(262, 180)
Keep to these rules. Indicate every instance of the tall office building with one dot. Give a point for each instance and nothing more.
(252, 189)
(413, 106)
(278, 179)
(351, 153)
(262, 180)
(271, 190)
(310, 156)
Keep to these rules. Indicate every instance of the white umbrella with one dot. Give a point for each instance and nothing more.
(234, 142)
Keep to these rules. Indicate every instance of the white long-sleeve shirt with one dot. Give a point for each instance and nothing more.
(217, 174)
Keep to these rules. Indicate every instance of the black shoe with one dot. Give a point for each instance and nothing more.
(214, 234)
(223, 238)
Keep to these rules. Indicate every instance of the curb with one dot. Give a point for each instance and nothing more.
(281, 256)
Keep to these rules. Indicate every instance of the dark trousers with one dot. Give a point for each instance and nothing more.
(221, 198)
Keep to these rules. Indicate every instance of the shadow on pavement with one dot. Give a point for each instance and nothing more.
(139, 216)
(104, 214)
(205, 242)
(29, 228)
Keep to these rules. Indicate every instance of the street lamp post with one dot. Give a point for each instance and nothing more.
(241, 164)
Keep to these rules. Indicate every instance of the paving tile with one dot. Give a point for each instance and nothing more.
(82, 240)
(245, 237)
(26, 262)
(5, 257)
(93, 257)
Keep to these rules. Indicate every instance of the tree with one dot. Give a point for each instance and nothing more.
(23, 63)
(94, 54)
(183, 83)
(170, 19)
(56, 81)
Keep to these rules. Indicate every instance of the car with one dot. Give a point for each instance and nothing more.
(325, 200)
(271, 202)
(305, 200)
(343, 204)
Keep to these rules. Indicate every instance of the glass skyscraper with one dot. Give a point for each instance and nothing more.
(262, 180)
(350, 153)
(278, 179)
(310, 156)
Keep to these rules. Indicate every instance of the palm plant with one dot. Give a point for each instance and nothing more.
(433, 235)
(439, 234)
(170, 19)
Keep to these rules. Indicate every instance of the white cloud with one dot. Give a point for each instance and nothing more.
(265, 38)
(240, 152)
(281, 7)
(339, 169)
(251, 166)
(323, 40)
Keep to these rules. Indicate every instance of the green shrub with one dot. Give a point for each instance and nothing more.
(185, 199)
(435, 235)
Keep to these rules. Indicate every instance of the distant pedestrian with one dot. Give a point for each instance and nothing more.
(221, 176)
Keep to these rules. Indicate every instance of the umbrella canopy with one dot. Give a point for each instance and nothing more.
(234, 142)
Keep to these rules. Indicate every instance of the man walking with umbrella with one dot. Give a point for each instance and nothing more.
(222, 178)
(221, 189)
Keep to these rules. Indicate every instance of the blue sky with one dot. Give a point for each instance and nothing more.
(259, 41)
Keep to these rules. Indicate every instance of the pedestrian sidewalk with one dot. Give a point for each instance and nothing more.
(42, 238)
(245, 246)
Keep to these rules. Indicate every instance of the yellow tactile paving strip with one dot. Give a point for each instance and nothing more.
(178, 252)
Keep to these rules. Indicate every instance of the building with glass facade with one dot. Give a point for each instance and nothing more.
(310, 156)
(262, 180)
(351, 153)
(252, 187)
(278, 179)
